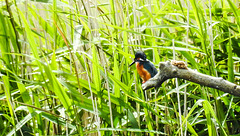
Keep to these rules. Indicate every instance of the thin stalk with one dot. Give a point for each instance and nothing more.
(135, 20)
(211, 36)
(89, 84)
(109, 93)
(178, 93)
(97, 118)
(185, 88)
(109, 99)
(156, 108)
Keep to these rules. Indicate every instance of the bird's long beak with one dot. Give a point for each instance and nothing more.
(132, 63)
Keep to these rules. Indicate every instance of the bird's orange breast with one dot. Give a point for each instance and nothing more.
(144, 74)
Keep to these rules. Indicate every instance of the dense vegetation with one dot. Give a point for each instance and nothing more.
(64, 67)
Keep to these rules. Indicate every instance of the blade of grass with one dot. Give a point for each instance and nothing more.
(96, 75)
(25, 95)
(4, 44)
(8, 97)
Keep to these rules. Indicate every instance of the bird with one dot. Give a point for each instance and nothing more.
(145, 68)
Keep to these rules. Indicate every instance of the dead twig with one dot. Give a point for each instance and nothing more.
(168, 70)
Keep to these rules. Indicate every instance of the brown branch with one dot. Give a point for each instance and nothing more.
(168, 71)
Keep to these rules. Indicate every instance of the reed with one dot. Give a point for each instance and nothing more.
(64, 67)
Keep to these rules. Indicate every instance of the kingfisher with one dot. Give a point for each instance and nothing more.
(145, 68)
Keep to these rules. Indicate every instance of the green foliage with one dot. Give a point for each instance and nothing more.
(64, 67)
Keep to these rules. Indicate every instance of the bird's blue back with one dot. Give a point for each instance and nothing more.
(149, 66)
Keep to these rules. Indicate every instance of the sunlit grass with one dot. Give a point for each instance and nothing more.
(64, 67)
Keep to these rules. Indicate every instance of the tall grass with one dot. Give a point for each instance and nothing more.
(64, 67)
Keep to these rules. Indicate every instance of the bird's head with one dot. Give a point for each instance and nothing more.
(140, 56)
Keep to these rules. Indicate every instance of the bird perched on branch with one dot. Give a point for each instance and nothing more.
(145, 68)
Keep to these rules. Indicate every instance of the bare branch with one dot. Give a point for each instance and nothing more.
(168, 71)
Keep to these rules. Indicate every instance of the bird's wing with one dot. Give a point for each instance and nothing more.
(149, 66)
